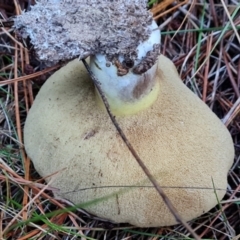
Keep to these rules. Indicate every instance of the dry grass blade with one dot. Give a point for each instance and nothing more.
(158, 8)
(233, 112)
(30, 76)
(24, 209)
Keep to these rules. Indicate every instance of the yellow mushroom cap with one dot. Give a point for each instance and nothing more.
(183, 144)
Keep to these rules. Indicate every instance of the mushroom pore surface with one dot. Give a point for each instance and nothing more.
(183, 144)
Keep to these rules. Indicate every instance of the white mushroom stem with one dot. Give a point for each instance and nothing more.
(132, 92)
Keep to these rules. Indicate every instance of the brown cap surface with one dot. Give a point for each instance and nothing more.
(179, 139)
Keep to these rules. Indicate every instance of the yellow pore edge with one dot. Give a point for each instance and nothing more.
(121, 108)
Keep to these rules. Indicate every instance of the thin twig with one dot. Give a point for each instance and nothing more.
(30, 76)
(230, 115)
(206, 73)
(231, 19)
(138, 159)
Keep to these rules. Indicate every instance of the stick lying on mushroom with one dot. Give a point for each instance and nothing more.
(183, 144)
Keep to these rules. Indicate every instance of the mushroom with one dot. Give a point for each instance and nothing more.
(183, 144)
